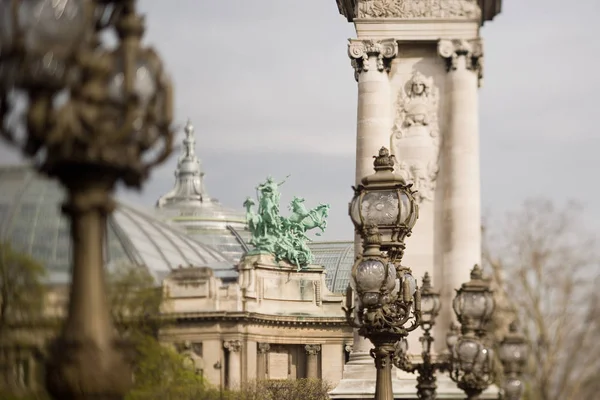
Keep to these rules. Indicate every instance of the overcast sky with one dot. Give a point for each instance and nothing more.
(269, 87)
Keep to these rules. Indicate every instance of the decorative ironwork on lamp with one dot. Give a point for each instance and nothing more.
(91, 115)
(427, 368)
(383, 211)
(513, 353)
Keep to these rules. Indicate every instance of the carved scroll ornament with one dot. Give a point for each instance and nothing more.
(312, 349)
(450, 9)
(359, 52)
(233, 345)
(472, 50)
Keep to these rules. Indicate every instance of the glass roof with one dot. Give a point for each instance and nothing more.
(337, 258)
(31, 220)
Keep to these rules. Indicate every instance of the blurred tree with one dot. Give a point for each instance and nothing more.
(548, 263)
(162, 374)
(21, 288)
(135, 299)
(22, 295)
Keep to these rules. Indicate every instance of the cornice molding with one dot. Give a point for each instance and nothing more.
(482, 10)
(256, 318)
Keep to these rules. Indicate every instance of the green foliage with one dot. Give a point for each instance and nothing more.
(299, 389)
(21, 287)
(134, 299)
(160, 374)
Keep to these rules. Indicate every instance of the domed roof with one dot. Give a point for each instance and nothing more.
(338, 259)
(30, 219)
(189, 206)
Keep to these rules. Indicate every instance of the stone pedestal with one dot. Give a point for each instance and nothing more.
(420, 99)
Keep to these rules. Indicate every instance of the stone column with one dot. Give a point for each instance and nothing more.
(371, 60)
(263, 351)
(459, 247)
(312, 360)
(234, 370)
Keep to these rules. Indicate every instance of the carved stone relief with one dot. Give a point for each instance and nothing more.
(416, 127)
(421, 175)
(359, 52)
(450, 9)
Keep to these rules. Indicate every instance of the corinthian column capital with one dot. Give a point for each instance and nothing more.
(472, 51)
(264, 348)
(312, 349)
(360, 50)
(233, 345)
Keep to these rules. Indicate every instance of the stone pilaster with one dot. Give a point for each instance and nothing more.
(263, 351)
(312, 360)
(459, 244)
(234, 370)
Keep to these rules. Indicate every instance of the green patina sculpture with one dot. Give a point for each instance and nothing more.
(283, 237)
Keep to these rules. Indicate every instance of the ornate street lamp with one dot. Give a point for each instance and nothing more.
(95, 114)
(471, 361)
(474, 302)
(383, 211)
(426, 380)
(513, 352)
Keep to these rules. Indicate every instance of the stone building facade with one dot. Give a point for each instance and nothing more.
(274, 323)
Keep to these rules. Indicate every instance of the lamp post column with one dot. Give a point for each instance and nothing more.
(460, 247)
(263, 350)
(371, 60)
(234, 370)
(312, 360)
(86, 361)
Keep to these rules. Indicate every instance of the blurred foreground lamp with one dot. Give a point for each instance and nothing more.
(90, 113)
(383, 211)
(513, 353)
(472, 362)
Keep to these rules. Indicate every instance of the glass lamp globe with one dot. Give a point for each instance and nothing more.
(44, 34)
(369, 277)
(385, 200)
(144, 81)
(430, 301)
(513, 388)
(452, 337)
(474, 301)
(513, 350)
(484, 361)
(467, 351)
(52, 26)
